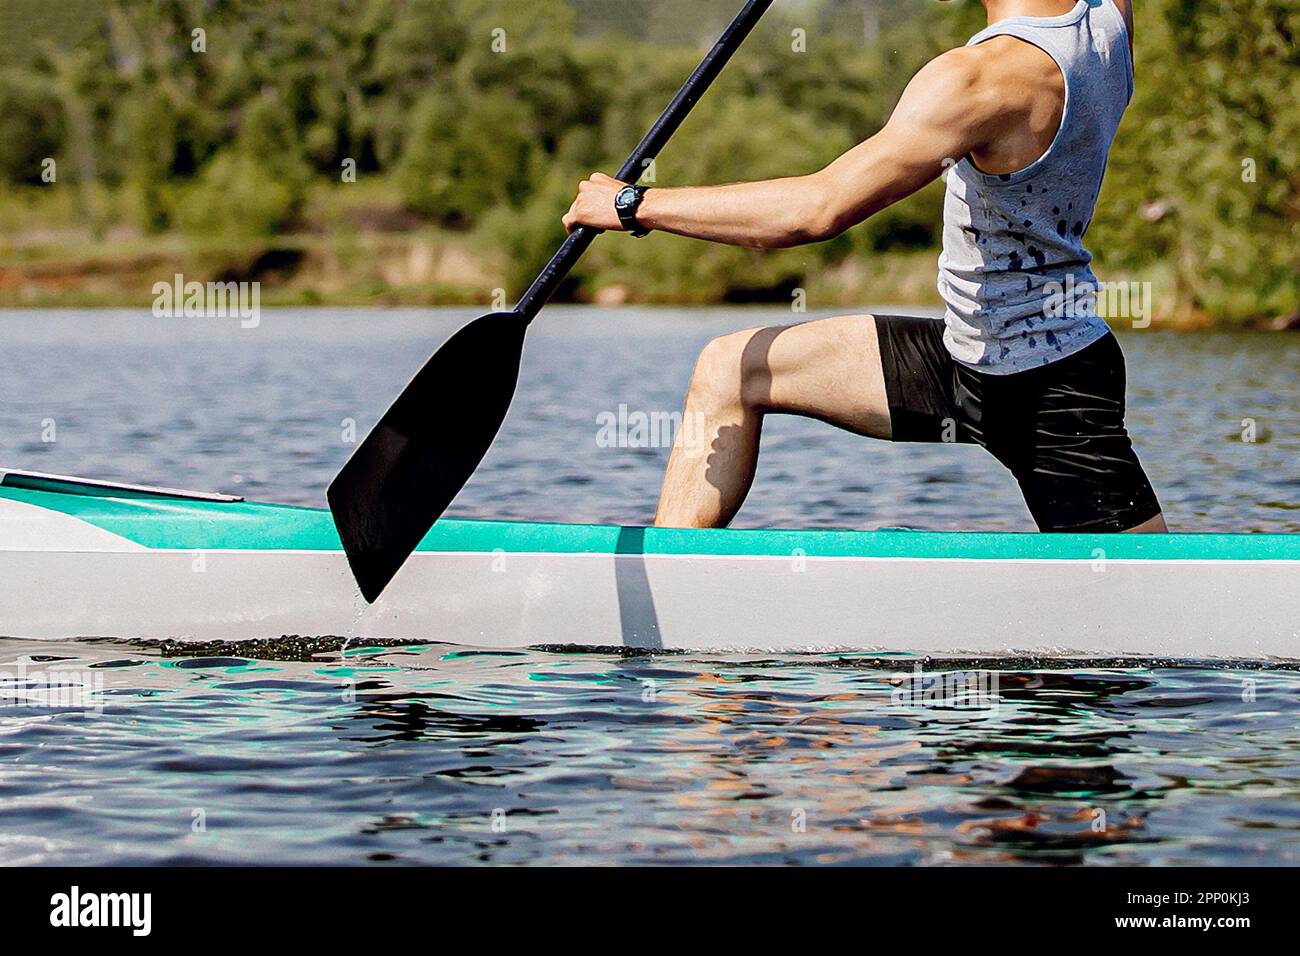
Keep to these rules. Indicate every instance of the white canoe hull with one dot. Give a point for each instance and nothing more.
(1175, 609)
(790, 600)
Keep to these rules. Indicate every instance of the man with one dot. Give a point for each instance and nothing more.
(1021, 119)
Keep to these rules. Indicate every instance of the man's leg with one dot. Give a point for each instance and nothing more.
(827, 369)
(1154, 525)
(1063, 436)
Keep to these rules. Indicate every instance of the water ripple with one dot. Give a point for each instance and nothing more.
(457, 756)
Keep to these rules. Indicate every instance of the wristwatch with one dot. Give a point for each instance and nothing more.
(626, 203)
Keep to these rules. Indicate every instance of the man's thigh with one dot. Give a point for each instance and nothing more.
(1060, 430)
(828, 369)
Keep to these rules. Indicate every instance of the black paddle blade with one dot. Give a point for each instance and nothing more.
(419, 456)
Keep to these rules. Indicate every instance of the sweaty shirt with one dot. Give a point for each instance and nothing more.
(1014, 273)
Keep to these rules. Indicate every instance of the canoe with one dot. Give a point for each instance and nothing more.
(82, 558)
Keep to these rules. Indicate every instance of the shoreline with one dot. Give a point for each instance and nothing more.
(435, 268)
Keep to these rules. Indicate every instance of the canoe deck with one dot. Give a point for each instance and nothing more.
(82, 560)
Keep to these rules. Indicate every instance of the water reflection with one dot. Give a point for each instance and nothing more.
(437, 754)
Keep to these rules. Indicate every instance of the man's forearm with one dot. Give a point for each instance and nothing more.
(938, 118)
(770, 214)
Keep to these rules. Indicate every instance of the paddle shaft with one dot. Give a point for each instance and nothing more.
(576, 244)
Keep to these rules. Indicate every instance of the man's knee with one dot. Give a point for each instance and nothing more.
(724, 371)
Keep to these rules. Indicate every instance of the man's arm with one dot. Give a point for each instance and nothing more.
(949, 109)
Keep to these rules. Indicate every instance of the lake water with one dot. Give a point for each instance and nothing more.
(303, 754)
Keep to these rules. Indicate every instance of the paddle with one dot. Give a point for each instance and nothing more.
(424, 449)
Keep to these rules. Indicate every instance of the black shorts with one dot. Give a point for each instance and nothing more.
(1059, 429)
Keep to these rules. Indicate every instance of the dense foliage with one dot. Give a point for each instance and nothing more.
(478, 116)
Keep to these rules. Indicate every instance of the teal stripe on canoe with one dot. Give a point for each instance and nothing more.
(183, 524)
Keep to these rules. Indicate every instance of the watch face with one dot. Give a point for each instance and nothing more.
(626, 196)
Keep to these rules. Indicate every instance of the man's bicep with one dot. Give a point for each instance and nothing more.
(941, 117)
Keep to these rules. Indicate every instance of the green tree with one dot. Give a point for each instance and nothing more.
(1203, 176)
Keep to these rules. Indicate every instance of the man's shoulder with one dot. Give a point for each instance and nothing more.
(957, 75)
(960, 66)
(997, 59)
(1005, 67)
(1002, 70)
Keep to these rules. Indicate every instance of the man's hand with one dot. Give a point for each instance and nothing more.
(595, 204)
